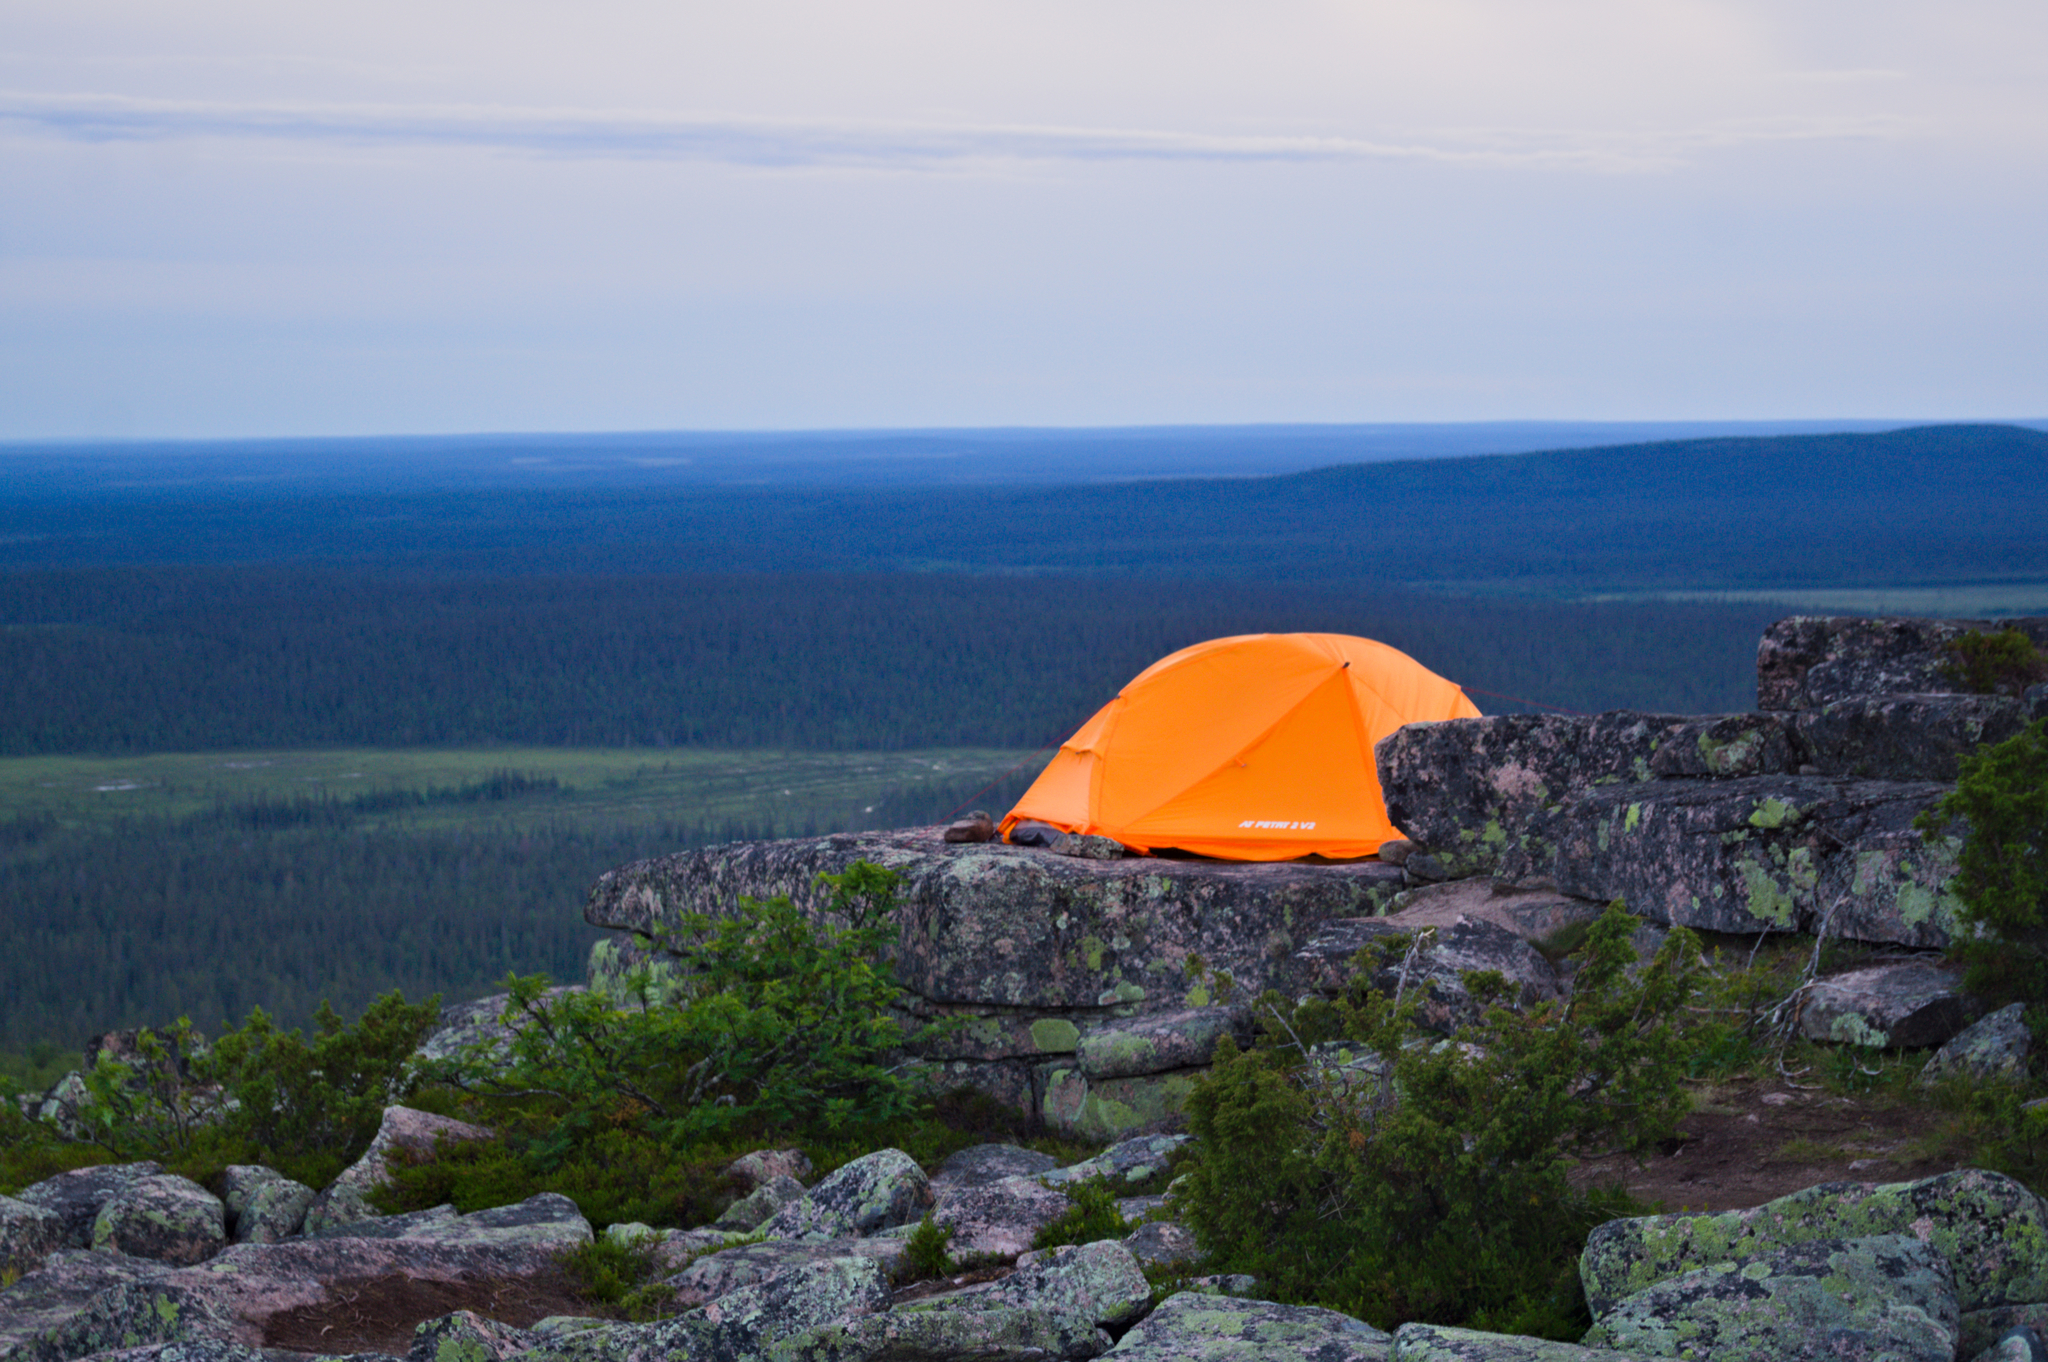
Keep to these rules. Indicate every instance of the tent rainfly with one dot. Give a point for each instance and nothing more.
(1253, 748)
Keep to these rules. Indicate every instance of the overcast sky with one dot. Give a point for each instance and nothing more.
(223, 218)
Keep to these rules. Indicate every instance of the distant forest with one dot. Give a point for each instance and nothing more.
(281, 903)
(1931, 505)
(202, 658)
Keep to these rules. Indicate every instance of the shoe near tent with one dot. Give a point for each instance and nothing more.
(1253, 748)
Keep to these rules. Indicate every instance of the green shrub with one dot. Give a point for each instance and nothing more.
(305, 1106)
(926, 1253)
(1428, 1181)
(2004, 663)
(621, 1276)
(759, 1019)
(2001, 801)
(1094, 1215)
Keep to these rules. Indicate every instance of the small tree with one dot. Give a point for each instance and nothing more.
(760, 1017)
(2001, 801)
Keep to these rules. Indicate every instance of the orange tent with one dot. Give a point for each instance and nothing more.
(1254, 748)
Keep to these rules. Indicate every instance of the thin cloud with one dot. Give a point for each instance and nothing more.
(790, 143)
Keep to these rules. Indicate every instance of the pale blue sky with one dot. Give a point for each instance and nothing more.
(249, 218)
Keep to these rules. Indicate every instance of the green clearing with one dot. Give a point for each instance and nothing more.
(598, 786)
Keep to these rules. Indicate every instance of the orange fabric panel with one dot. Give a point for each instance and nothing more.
(1255, 748)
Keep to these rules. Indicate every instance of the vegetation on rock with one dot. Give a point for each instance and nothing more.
(2004, 663)
(2001, 802)
(1347, 1165)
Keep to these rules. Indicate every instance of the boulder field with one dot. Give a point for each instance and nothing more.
(1946, 1269)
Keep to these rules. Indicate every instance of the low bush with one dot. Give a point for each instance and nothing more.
(2004, 663)
(2001, 804)
(1094, 1215)
(1450, 1204)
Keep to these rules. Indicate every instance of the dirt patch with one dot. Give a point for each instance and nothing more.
(1749, 1141)
(379, 1317)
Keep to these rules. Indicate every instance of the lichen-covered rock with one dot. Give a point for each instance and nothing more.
(1465, 785)
(1435, 975)
(1441, 1343)
(28, 1235)
(1726, 746)
(2022, 1344)
(1766, 853)
(167, 1217)
(1887, 1297)
(76, 1197)
(406, 1225)
(743, 1325)
(1903, 737)
(133, 1314)
(1995, 1046)
(66, 1282)
(1991, 1228)
(1903, 1003)
(402, 1130)
(1199, 1327)
(754, 1209)
(702, 1277)
(466, 1336)
(1983, 1329)
(1108, 1108)
(1099, 1282)
(1158, 1041)
(197, 1350)
(998, 1218)
(766, 1165)
(1009, 926)
(1125, 1163)
(239, 1181)
(872, 1193)
(272, 1211)
(543, 1219)
(981, 1164)
(927, 1331)
(240, 1291)
(1808, 661)
(1158, 1242)
(474, 1027)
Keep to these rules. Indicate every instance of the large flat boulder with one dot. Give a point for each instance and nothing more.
(1764, 853)
(1022, 929)
(1898, 1003)
(1807, 661)
(1193, 1327)
(1467, 789)
(1882, 1298)
(1990, 1228)
(1903, 737)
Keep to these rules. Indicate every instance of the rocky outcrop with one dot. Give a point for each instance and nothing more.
(402, 1130)
(1068, 977)
(75, 1198)
(1196, 1327)
(1899, 1003)
(1884, 1297)
(1993, 1232)
(1996, 1046)
(876, 1192)
(1795, 819)
(28, 1234)
(1808, 661)
(168, 1218)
